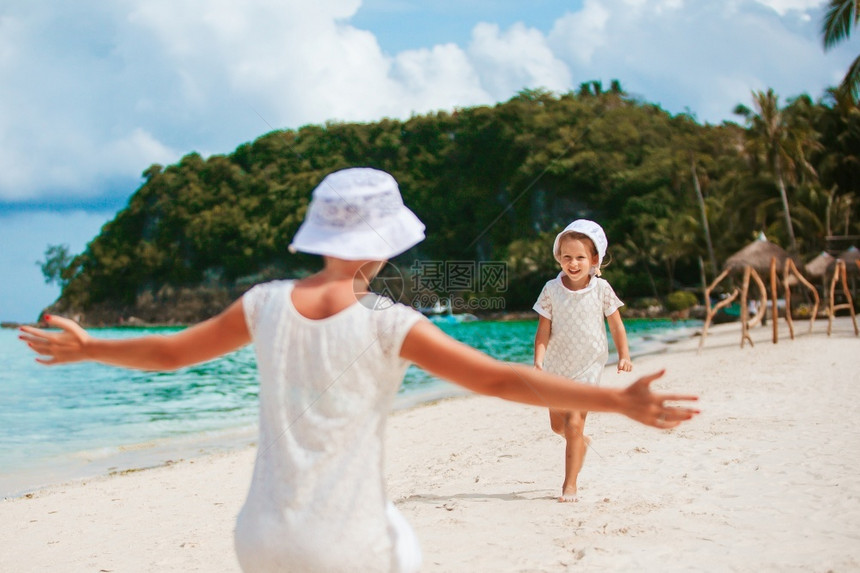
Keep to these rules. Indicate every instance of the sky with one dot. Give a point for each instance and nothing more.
(92, 93)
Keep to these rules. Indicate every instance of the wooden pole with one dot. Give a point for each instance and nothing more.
(744, 312)
(791, 269)
(840, 275)
(762, 298)
(709, 312)
(773, 302)
(787, 289)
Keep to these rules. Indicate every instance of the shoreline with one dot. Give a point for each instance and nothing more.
(104, 462)
(761, 480)
(503, 316)
(98, 461)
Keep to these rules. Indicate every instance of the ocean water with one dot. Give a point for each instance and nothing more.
(76, 421)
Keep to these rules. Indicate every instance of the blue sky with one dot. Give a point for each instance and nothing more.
(92, 93)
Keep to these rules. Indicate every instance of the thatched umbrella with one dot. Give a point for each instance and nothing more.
(821, 265)
(820, 268)
(749, 260)
(757, 255)
(850, 256)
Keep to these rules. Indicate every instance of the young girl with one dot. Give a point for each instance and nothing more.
(571, 338)
(331, 357)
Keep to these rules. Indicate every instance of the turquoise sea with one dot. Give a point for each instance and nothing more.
(81, 420)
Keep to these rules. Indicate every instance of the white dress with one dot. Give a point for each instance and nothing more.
(317, 500)
(578, 348)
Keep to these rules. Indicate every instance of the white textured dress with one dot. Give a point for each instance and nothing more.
(578, 348)
(317, 500)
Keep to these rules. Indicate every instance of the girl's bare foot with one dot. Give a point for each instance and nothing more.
(568, 494)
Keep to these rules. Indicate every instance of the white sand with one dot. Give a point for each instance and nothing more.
(766, 479)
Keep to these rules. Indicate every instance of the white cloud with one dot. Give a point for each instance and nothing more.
(515, 59)
(65, 100)
(125, 153)
(164, 79)
(656, 6)
(94, 92)
(578, 35)
(782, 7)
(439, 78)
(701, 56)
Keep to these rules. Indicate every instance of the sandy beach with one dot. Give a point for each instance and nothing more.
(765, 479)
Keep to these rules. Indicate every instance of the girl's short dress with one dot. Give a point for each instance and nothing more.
(317, 500)
(578, 347)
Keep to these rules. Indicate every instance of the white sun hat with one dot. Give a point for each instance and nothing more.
(358, 214)
(591, 230)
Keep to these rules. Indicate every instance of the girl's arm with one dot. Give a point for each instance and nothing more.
(619, 337)
(204, 341)
(544, 329)
(439, 354)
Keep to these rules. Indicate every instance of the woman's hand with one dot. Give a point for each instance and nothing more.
(204, 341)
(625, 365)
(643, 405)
(67, 345)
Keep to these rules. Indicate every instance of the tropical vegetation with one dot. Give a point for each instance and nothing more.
(495, 183)
(840, 17)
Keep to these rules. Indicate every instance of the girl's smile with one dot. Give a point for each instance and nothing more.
(577, 259)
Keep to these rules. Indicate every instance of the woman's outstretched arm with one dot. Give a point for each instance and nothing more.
(439, 354)
(209, 339)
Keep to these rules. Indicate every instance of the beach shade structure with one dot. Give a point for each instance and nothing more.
(851, 256)
(791, 276)
(820, 266)
(759, 257)
(755, 260)
(848, 259)
(740, 261)
(765, 257)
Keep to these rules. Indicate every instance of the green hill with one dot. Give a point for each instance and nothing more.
(491, 184)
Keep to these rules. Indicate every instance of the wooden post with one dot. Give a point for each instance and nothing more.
(744, 313)
(791, 269)
(840, 275)
(773, 302)
(709, 312)
(787, 290)
(762, 298)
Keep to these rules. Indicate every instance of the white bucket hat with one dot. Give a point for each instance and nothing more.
(358, 214)
(590, 229)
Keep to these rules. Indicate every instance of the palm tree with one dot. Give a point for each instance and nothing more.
(841, 15)
(703, 214)
(839, 162)
(768, 133)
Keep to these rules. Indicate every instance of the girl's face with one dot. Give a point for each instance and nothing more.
(577, 258)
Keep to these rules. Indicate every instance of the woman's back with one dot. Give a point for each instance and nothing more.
(339, 285)
(317, 500)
